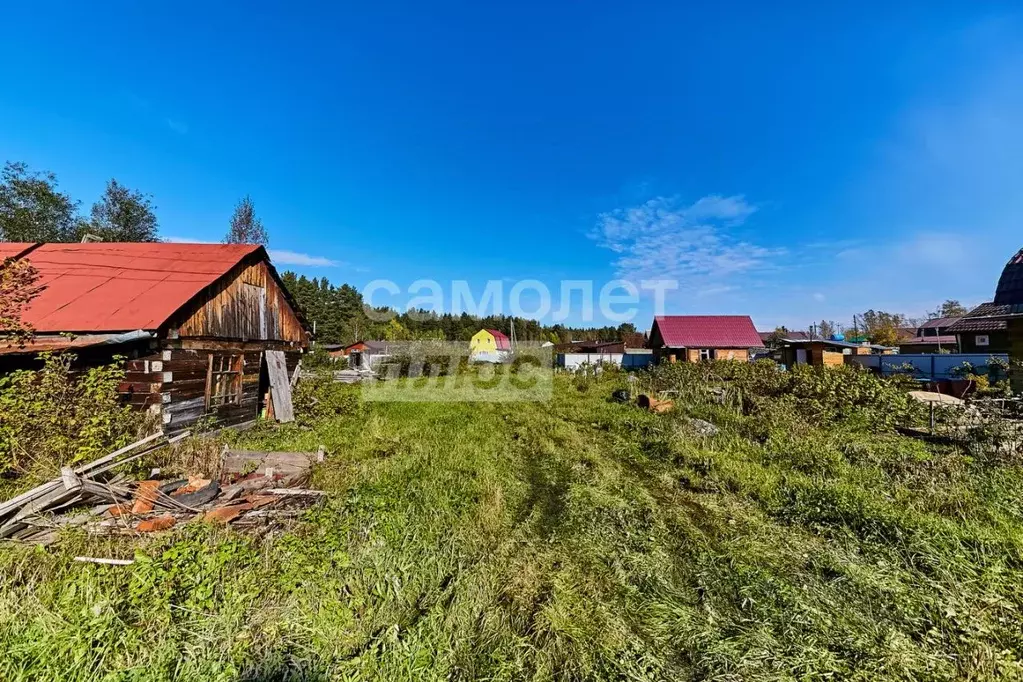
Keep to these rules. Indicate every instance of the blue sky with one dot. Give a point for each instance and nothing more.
(792, 165)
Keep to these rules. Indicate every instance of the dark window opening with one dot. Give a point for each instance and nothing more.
(224, 381)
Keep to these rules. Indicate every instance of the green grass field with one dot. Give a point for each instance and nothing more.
(564, 540)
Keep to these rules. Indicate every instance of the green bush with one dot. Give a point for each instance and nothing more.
(823, 394)
(57, 416)
(323, 397)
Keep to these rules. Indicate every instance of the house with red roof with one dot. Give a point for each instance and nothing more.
(691, 338)
(489, 345)
(204, 327)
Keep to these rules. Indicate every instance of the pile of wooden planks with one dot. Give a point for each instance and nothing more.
(24, 517)
(254, 489)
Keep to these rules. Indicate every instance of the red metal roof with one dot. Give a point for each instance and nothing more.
(12, 249)
(501, 341)
(707, 331)
(107, 287)
(939, 323)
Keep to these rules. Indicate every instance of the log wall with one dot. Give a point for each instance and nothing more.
(172, 380)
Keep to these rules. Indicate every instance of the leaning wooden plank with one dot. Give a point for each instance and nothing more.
(50, 486)
(14, 529)
(280, 385)
(87, 468)
(40, 504)
(26, 497)
(137, 455)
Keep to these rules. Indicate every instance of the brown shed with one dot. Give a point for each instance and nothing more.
(203, 326)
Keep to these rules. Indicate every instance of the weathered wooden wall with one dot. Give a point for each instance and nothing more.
(172, 381)
(246, 305)
(999, 341)
(741, 354)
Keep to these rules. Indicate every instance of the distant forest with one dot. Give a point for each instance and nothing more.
(340, 317)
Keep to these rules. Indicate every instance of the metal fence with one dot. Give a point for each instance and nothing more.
(626, 360)
(926, 365)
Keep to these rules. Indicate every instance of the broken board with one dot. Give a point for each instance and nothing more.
(289, 468)
(280, 385)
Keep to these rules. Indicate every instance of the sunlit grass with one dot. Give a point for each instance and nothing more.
(571, 539)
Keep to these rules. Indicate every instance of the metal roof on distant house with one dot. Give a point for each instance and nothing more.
(943, 340)
(795, 336)
(991, 316)
(1010, 285)
(501, 341)
(940, 323)
(987, 317)
(113, 287)
(706, 331)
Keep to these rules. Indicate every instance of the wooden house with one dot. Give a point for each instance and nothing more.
(489, 345)
(207, 329)
(820, 352)
(691, 338)
(933, 336)
(366, 354)
(997, 326)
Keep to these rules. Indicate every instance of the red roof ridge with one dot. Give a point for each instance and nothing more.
(707, 331)
(101, 286)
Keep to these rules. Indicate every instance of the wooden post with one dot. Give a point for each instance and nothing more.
(209, 380)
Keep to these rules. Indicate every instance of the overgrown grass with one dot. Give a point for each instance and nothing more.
(571, 539)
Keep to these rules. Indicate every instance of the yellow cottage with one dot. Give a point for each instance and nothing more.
(489, 345)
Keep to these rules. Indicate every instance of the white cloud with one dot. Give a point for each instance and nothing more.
(661, 239)
(175, 239)
(714, 290)
(819, 297)
(278, 256)
(281, 257)
(934, 249)
(180, 127)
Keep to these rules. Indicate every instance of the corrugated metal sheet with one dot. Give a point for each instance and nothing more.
(39, 344)
(939, 323)
(13, 249)
(944, 339)
(107, 287)
(707, 331)
(987, 317)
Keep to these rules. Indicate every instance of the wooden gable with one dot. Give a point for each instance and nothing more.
(247, 304)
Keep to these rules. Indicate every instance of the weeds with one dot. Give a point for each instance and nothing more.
(58, 416)
(575, 539)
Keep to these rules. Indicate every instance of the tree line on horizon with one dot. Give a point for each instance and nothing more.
(34, 209)
(341, 317)
(875, 326)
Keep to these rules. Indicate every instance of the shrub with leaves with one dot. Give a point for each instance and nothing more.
(18, 286)
(323, 397)
(821, 394)
(57, 416)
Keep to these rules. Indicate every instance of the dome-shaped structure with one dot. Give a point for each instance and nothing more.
(1010, 284)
